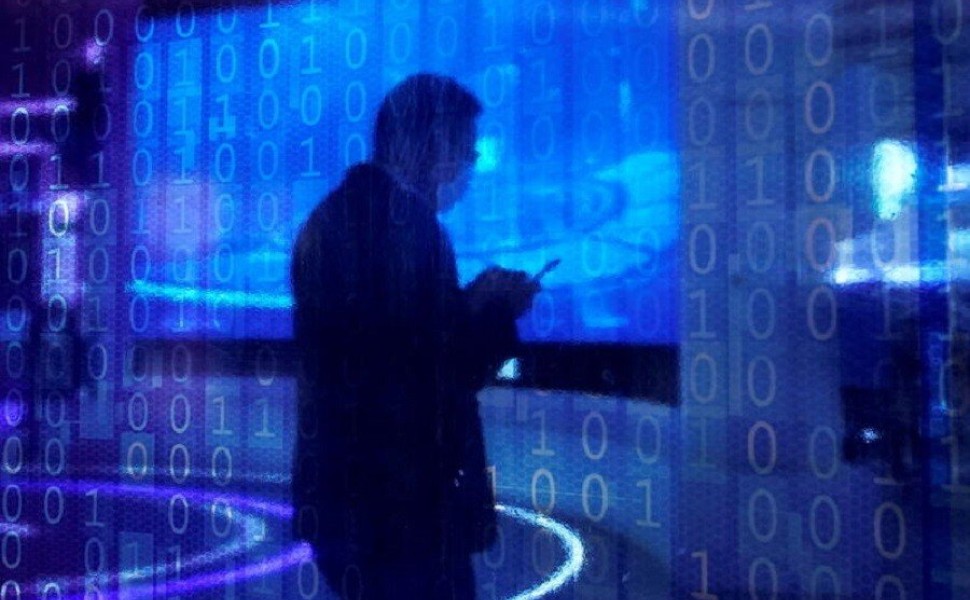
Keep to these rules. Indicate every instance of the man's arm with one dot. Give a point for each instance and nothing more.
(482, 340)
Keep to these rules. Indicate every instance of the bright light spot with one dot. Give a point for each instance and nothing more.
(869, 435)
(488, 155)
(509, 370)
(893, 176)
(94, 53)
(71, 200)
(935, 272)
(849, 275)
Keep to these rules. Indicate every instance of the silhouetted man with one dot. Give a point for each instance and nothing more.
(390, 480)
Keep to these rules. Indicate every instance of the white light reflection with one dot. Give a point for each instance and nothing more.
(571, 544)
(893, 176)
(933, 272)
(44, 106)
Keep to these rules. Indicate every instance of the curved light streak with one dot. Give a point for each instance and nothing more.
(568, 539)
(292, 555)
(250, 525)
(252, 477)
(276, 509)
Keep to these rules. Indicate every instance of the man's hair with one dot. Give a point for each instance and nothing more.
(416, 113)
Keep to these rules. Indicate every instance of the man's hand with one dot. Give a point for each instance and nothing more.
(503, 285)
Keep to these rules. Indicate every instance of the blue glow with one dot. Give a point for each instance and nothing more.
(591, 178)
(488, 150)
(16, 529)
(893, 176)
(571, 544)
(237, 298)
(904, 275)
(509, 370)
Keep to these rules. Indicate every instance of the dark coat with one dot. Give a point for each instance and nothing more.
(390, 458)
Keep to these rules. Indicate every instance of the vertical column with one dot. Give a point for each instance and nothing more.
(542, 65)
(59, 206)
(821, 227)
(24, 49)
(704, 561)
(138, 259)
(100, 148)
(495, 178)
(764, 422)
(941, 44)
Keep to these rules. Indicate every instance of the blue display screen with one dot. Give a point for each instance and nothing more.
(239, 125)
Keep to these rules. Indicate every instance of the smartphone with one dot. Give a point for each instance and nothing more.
(552, 264)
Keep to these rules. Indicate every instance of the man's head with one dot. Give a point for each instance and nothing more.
(426, 132)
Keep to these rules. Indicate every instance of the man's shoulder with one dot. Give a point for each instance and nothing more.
(366, 178)
(369, 197)
(361, 186)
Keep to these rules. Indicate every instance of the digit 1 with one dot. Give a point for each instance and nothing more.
(703, 333)
(58, 173)
(264, 431)
(22, 46)
(220, 401)
(758, 162)
(311, 43)
(647, 520)
(21, 93)
(703, 446)
(56, 253)
(269, 22)
(946, 69)
(99, 157)
(703, 594)
(139, 215)
(493, 45)
(542, 450)
(181, 305)
(182, 152)
(954, 486)
(18, 214)
(94, 522)
(180, 202)
(97, 324)
(702, 203)
(184, 105)
(182, 54)
(310, 170)
(313, 17)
